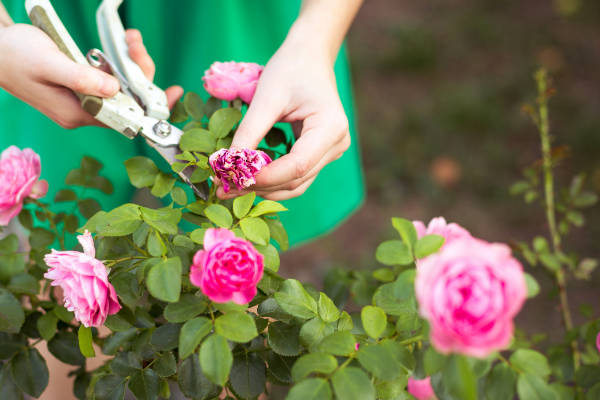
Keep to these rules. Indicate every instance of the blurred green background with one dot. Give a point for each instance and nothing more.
(440, 86)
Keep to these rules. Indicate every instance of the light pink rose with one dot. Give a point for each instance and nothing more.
(439, 226)
(421, 388)
(470, 292)
(238, 167)
(19, 178)
(231, 80)
(84, 282)
(228, 269)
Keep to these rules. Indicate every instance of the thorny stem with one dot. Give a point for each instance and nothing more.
(544, 129)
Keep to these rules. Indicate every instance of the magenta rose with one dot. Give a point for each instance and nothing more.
(598, 342)
(228, 269)
(238, 167)
(470, 291)
(421, 388)
(231, 80)
(439, 226)
(84, 282)
(19, 179)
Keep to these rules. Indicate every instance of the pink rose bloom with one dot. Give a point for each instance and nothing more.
(439, 226)
(598, 341)
(19, 178)
(228, 269)
(231, 80)
(84, 282)
(470, 292)
(421, 388)
(238, 167)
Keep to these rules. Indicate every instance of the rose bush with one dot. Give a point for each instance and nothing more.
(191, 302)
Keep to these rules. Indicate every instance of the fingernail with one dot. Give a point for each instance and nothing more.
(109, 85)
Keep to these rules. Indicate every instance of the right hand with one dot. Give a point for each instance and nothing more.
(33, 69)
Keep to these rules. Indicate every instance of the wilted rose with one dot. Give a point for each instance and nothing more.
(238, 167)
(421, 388)
(231, 80)
(470, 291)
(84, 282)
(19, 178)
(228, 269)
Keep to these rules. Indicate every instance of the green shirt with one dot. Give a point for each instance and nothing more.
(184, 37)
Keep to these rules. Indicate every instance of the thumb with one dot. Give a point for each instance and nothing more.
(262, 114)
(80, 78)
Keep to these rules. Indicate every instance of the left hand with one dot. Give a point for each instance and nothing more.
(298, 86)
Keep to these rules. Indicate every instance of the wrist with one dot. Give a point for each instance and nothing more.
(310, 37)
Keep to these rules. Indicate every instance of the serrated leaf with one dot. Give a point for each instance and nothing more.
(236, 326)
(266, 207)
(256, 230)
(191, 334)
(216, 359)
(428, 245)
(142, 171)
(243, 204)
(223, 121)
(219, 215)
(393, 252)
(164, 280)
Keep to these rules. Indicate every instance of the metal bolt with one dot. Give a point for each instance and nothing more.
(162, 128)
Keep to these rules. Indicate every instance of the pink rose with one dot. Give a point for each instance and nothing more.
(439, 226)
(228, 269)
(19, 178)
(238, 167)
(84, 282)
(470, 292)
(421, 388)
(598, 342)
(231, 80)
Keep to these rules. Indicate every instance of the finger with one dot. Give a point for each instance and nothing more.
(286, 194)
(173, 93)
(85, 79)
(139, 54)
(65, 110)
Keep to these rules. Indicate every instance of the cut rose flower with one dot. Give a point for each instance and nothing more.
(228, 269)
(231, 80)
(470, 291)
(238, 167)
(19, 179)
(84, 282)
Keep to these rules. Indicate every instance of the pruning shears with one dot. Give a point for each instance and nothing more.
(140, 107)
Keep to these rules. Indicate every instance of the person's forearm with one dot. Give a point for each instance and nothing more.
(5, 19)
(325, 23)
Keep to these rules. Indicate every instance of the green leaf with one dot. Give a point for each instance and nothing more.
(533, 288)
(458, 378)
(381, 359)
(187, 307)
(587, 375)
(156, 246)
(144, 384)
(199, 175)
(531, 362)
(85, 341)
(142, 171)
(165, 365)
(256, 230)
(63, 314)
(314, 389)
(12, 315)
(126, 363)
(178, 195)
(192, 381)
(428, 245)
(110, 387)
(90, 166)
(374, 321)
(397, 298)
(184, 241)
(266, 207)
(393, 252)
(192, 333)
(243, 204)
(24, 283)
(384, 274)
(500, 383)
(212, 105)
(407, 231)
(328, 311)
(236, 326)
(8, 388)
(46, 325)
(162, 185)
(219, 215)
(41, 238)
(199, 140)
(278, 233)
(223, 121)
(352, 383)
(345, 322)
(12, 262)
(88, 207)
(532, 387)
(248, 375)
(164, 280)
(65, 195)
(313, 331)
(193, 105)
(164, 220)
(341, 343)
(284, 339)
(313, 362)
(295, 300)
(178, 113)
(121, 221)
(64, 346)
(166, 337)
(271, 256)
(29, 372)
(216, 359)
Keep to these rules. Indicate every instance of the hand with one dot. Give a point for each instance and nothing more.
(33, 69)
(298, 86)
